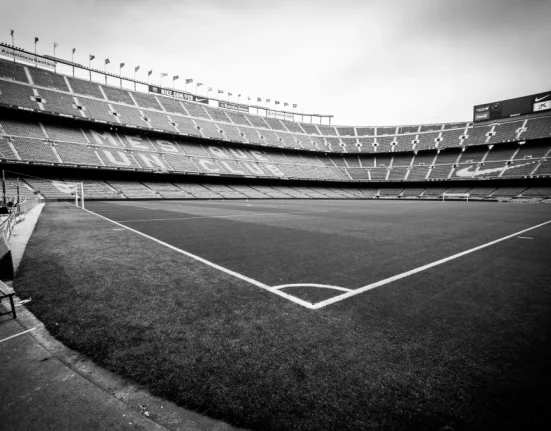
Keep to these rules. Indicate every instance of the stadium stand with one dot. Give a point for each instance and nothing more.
(543, 169)
(48, 80)
(85, 88)
(224, 191)
(390, 193)
(196, 110)
(146, 101)
(17, 95)
(45, 188)
(133, 190)
(217, 114)
(57, 132)
(130, 116)
(508, 192)
(537, 128)
(172, 105)
(532, 151)
(186, 125)
(97, 189)
(275, 124)
(25, 191)
(451, 138)
(208, 129)
(519, 169)
(97, 110)
(239, 119)
(13, 71)
(34, 150)
(53, 101)
(117, 95)
(501, 153)
(249, 192)
(292, 127)
(157, 120)
(77, 154)
(412, 193)
(433, 193)
(197, 191)
(410, 154)
(481, 192)
(441, 172)
(17, 127)
(537, 192)
(7, 150)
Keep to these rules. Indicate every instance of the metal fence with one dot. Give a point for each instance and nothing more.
(9, 222)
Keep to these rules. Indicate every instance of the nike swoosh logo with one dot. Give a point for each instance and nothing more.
(466, 172)
(541, 98)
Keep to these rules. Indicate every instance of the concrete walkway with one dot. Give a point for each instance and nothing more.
(46, 386)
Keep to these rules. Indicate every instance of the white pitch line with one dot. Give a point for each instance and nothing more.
(416, 270)
(214, 265)
(17, 335)
(221, 216)
(323, 286)
(525, 237)
(118, 211)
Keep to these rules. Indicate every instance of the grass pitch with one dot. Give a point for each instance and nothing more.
(465, 343)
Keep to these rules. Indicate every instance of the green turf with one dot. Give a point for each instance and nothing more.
(465, 344)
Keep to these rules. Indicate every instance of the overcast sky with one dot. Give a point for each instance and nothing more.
(367, 62)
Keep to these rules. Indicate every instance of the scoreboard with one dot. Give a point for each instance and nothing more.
(513, 107)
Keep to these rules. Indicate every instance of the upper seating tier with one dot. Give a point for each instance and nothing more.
(39, 89)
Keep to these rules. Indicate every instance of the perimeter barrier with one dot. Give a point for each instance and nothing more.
(9, 218)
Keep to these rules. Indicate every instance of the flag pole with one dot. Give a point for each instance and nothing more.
(13, 44)
(35, 59)
(121, 65)
(90, 58)
(55, 62)
(73, 61)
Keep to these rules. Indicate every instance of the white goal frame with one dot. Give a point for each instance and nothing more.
(456, 196)
(76, 189)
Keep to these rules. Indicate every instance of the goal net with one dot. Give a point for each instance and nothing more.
(76, 189)
(456, 196)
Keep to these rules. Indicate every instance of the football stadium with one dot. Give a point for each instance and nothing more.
(267, 268)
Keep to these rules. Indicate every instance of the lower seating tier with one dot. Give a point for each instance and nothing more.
(32, 188)
(54, 142)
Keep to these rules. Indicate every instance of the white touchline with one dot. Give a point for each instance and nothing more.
(416, 270)
(125, 209)
(323, 286)
(17, 335)
(212, 264)
(219, 216)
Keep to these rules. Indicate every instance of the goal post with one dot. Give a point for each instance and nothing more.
(76, 189)
(455, 196)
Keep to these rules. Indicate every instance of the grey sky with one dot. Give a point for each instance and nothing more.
(366, 62)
